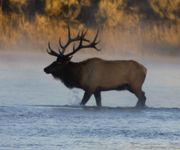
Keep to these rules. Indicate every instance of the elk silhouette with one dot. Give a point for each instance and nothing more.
(95, 75)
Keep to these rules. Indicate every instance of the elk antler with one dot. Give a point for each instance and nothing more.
(71, 39)
(89, 45)
(81, 37)
(50, 51)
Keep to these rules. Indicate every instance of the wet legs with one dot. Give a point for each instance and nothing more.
(141, 99)
(85, 99)
(97, 96)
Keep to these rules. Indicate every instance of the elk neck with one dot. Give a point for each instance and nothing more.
(70, 75)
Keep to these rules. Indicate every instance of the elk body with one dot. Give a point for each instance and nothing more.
(95, 75)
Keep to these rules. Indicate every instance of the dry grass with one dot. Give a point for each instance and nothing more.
(121, 31)
(112, 14)
(168, 9)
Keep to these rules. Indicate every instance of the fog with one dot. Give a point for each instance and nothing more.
(39, 112)
(23, 81)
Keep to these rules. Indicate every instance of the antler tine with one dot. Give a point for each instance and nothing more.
(80, 36)
(50, 51)
(60, 51)
(83, 33)
(95, 38)
(90, 45)
(61, 46)
(95, 42)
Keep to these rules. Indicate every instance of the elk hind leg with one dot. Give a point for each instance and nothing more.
(85, 98)
(141, 98)
(97, 96)
(140, 95)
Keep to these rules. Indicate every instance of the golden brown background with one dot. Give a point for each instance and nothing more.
(127, 26)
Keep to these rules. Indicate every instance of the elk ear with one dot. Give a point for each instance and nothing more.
(67, 59)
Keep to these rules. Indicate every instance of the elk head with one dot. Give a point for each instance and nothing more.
(62, 58)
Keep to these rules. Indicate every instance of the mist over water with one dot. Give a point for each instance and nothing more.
(24, 82)
(39, 112)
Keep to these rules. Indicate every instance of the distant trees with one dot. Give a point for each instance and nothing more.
(167, 9)
(38, 21)
(29, 8)
(5, 6)
(92, 12)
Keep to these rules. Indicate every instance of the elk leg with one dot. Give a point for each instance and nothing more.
(141, 99)
(97, 96)
(86, 97)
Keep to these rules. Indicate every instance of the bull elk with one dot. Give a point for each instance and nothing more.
(95, 75)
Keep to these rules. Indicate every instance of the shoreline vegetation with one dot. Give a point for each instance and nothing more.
(129, 27)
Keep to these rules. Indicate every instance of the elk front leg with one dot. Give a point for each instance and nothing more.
(97, 96)
(86, 97)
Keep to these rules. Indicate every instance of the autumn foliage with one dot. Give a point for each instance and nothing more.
(154, 25)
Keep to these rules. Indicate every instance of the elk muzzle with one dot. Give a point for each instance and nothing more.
(47, 70)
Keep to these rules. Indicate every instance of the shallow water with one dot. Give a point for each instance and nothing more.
(67, 127)
(38, 112)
